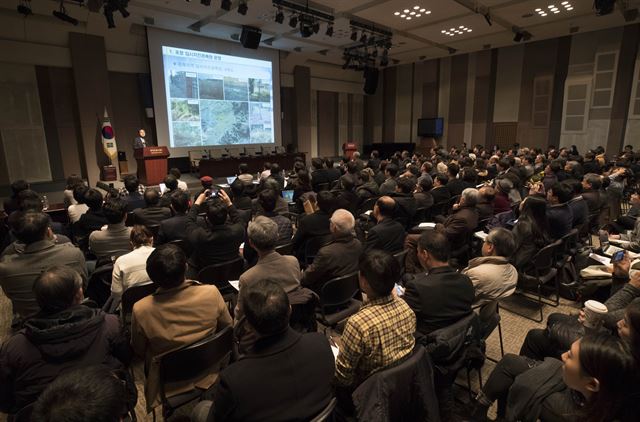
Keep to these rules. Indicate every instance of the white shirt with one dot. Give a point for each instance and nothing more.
(183, 186)
(76, 211)
(130, 269)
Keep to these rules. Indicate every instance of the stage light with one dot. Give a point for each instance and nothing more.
(279, 16)
(316, 27)
(518, 36)
(25, 8)
(329, 32)
(122, 8)
(487, 17)
(384, 60)
(363, 38)
(604, 7)
(354, 36)
(243, 8)
(293, 21)
(225, 5)
(306, 26)
(62, 15)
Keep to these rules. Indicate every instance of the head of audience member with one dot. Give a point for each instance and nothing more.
(131, 183)
(317, 163)
(175, 172)
(304, 180)
(30, 200)
(92, 393)
(151, 197)
(31, 226)
(243, 168)
(602, 368)
(635, 198)
(591, 181)
(553, 168)
(487, 194)
(559, 193)
(469, 197)
(206, 182)
(166, 266)
(384, 208)
(503, 164)
(179, 202)
(391, 170)
(366, 175)
(575, 186)
(499, 242)
(325, 201)
(441, 179)
(73, 181)
(18, 186)
(452, 170)
(298, 166)
(93, 198)
(347, 183)
(355, 155)
(266, 307)
(263, 234)
(272, 184)
(341, 223)
(534, 210)
(57, 289)
(433, 249)
(267, 200)
(238, 189)
(504, 186)
(140, 236)
(216, 212)
(352, 167)
(115, 210)
(275, 169)
(378, 273)
(406, 185)
(79, 193)
(374, 154)
(629, 327)
(425, 183)
(171, 182)
(328, 162)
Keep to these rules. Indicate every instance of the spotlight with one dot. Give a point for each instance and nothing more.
(62, 15)
(487, 17)
(279, 16)
(306, 26)
(363, 38)
(384, 60)
(603, 7)
(329, 32)
(354, 36)
(243, 8)
(293, 21)
(225, 5)
(452, 50)
(518, 36)
(316, 27)
(372, 40)
(25, 8)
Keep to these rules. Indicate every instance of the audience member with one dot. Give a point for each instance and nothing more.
(460, 225)
(281, 207)
(266, 171)
(320, 175)
(439, 192)
(422, 193)
(91, 220)
(171, 185)
(243, 174)
(559, 213)
(13, 204)
(346, 197)
(267, 200)
(182, 185)
(337, 258)
(63, 335)
(131, 269)
(133, 196)
(275, 173)
(179, 313)
(442, 296)
(206, 182)
(240, 195)
(487, 195)
(389, 185)
(218, 242)
(76, 210)
(405, 202)
(72, 181)
(591, 184)
(175, 228)
(455, 185)
(579, 207)
(531, 232)
(501, 201)
(284, 376)
(18, 271)
(153, 213)
(113, 240)
(314, 225)
(387, 235)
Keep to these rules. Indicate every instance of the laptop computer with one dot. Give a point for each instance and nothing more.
(230, 180)
(288, 195)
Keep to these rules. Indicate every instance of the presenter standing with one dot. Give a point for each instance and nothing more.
(139, 142)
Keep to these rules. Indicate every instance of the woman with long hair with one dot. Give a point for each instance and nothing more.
(531, 231)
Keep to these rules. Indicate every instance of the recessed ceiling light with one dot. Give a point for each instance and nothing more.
(397, 13)
(556, 11)
(551, 6)
(565, 2)
(428, 12)
(403, 16)
(444, 31)
(406, 10)
(408, 18)
(412, 13)
(569, 8)
(423, 10)
(416, 7)
(469, 30)
(418, 15)
(452, 29)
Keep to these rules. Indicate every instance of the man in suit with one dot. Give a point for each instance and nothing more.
(139, 141)
(132, 194)
(319, 174)
(591, 184)
(374, 160)
(175, 228)
(152, 214)
(346, 198)
(442, 296)
(389, 185)
(455, 185)
(406, 202)
(152, 335)
(338, 258)
(461, 224)
(387, 235)
(285, 375)
(112, 240)
(218, 242)
(333, 172)
(559, 213)
(171, 184)
(314, 225)
(440, 192)
(91, 220)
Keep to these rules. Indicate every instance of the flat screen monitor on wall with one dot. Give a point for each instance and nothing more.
(431, 128)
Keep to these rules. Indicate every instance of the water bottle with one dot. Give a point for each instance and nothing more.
(45, 203)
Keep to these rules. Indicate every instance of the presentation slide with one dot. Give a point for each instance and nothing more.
(216, 99)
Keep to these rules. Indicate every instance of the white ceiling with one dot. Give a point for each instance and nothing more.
(418, 39)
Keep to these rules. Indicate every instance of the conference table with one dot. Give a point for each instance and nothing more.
(224, 167)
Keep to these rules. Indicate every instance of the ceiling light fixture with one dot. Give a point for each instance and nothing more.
(329, 31)
(243, 8)
(225, 5)
(279, 16)
(293, 21)
(409, 14)
(24, 8)
(460, 30)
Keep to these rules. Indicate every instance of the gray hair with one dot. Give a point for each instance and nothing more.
(263, 233)
(594, 180)
(470, 196)
(502, 240)
(343, 221)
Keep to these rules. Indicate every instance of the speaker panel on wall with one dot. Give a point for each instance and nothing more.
(370, 80)
(250, 37)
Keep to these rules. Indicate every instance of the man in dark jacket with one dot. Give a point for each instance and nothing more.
(314, 225)
(338, 258)
(405, 201)
(66, 334)
(153, 214)
(387, 235)
(440, 192)
(461, 224)
(218, 242)
(559, 213)
(91, 220)
(175, 228)
(346, 198)
(285, 375)
(591, 184)
(442, 296)
(132, 193)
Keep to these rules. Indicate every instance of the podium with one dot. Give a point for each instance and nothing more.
(152, 164)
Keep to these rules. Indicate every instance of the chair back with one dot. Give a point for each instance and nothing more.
(570, 242)
(286, 249)
(323, 186)
(131, 219)
(439, 209)
(154, 229)
(134, 294)
(313, 245)
(197, 359)
(420, 216)
(451, 202)
(99, 286)
(182, 244)
(401, 257)
(220, 274)
(367, 205)
(543, 261)
(339, 291)
(326, 412)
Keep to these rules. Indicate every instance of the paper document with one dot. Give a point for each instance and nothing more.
(481, 235)
(235, 284)
(425, 225)
(601, 259)
(335, 351)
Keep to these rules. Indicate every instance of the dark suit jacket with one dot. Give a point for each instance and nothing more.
(286, 377)
(347, 200)
(174, 228)
(580, 211)
(460, 225)
(594, 200)
(89, 221)
(388, 235)
(405, 208)
(134, 200)
(213, 244)
(440, 194)
(318, 177)
(312, 225)
(423, 199)
(439, 298)
(151, 216)
(560, 220)
(485, 210)
(456, 186)
(338, 258)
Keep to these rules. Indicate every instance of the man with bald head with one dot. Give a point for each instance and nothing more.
(388, 235)
(339, 257)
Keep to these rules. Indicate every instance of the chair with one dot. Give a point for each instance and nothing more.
(490, 319)
(337, 301)
(450, 203)
(540, 271)
(131, 219)
(154, 229)
(182, 244)
(129, 298)
(322, 187)
(286, 249)
(326, 412)
(420, 216)
(367, 205)
(192, 362)
(438, 209)
(99, 285)
(312, 246)
(220, 274)
(401, 257)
